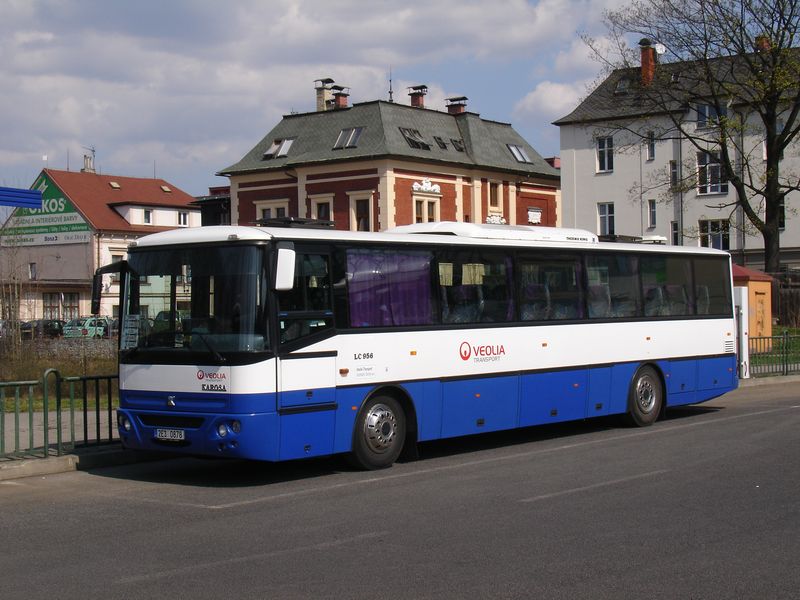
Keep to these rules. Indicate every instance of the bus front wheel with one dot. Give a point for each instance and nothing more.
(379, 433)
(646, 397)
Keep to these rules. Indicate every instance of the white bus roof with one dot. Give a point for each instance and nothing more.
(448, 233)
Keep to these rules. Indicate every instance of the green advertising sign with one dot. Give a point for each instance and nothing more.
(57, 222)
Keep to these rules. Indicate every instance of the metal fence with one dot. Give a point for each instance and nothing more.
(775, 355)
(56, 414)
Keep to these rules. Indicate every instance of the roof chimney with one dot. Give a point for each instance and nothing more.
(456, 105)
(648, 61)
(417, 94)
(88, 164)
(324, 94)
(340, 95)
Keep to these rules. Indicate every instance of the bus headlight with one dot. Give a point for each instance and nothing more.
(236, 426)
(124, 422)
(222, 430)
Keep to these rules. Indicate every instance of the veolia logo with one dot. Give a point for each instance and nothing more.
(481, 352)
(210, 375)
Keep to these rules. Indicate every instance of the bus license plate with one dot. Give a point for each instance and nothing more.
(171, 435)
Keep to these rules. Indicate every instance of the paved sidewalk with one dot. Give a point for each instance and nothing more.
(113, 454)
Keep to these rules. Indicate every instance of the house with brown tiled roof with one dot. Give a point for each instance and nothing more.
(48, 255)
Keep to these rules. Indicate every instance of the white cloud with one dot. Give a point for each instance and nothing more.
(549, 100)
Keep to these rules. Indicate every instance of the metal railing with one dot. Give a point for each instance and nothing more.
(56, 414)
(775, 355)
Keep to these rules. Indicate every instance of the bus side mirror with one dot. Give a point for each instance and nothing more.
(97, 290)
(120, 266)
(284, 268)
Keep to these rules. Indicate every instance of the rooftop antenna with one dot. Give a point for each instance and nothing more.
(391, 94)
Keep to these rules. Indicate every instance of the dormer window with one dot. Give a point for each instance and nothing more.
(279, 148)
(519, 153)
(114, 185)
(622, 86)
(457, 144)
(348, 138)
(148, 216)
(414, 138)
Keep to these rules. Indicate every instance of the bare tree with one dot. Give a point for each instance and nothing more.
(737, 62)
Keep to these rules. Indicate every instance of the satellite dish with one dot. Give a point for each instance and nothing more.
(660, 48)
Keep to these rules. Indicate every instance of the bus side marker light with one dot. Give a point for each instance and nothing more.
(544, 344)
(413, 353)
(344, 372)
(647, 338)
(477, 395)
(576, 385)
(354, 407)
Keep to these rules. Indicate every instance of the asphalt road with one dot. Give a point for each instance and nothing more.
(704, 504)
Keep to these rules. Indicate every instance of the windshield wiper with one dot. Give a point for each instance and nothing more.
(214, 352)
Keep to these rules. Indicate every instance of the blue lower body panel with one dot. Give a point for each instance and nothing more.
(443, 409)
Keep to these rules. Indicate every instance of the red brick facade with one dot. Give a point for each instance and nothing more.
(451, 195)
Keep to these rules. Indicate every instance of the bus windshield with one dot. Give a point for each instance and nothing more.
(194, 304)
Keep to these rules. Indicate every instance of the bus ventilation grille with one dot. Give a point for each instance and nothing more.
(730, 346)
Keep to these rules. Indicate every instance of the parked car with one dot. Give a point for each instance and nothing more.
(42, 328)
(91, 327)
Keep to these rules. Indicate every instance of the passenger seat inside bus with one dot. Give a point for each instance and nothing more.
(535, 302)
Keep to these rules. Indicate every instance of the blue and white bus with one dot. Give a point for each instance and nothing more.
(279, 343)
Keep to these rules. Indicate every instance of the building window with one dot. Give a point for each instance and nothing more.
(279, 148)
(32, 271)
(115, 258)
(426, 210)
(457, 144)
(272, 209)
(605, 213)
(605, 154)
(651, 145)
(707, 115)
(519, 153)
(715, 234)
(782, 214)
(148, 216)
(651, 213)
(50, 305)
(673, 174)
(534, 215)
(322, 207)
(710, 179)
(348, 138)
(183, 218)
(71, 306)
(440, 142)
(494, 196)
(414, 138)
(676, 237)
(360, 211)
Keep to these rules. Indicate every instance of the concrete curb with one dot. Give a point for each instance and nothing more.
(114, 455)
(82, 460)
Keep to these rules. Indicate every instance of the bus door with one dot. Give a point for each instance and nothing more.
(306, 374)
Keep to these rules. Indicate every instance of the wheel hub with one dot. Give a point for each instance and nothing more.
(380, 428)
(646, 395)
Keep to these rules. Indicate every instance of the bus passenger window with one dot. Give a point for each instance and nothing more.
(475, 289)
(549, 288)
(613, 279)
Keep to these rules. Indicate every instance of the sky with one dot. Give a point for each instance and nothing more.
(181, 89)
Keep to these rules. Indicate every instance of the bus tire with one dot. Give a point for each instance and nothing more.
(646, 397)
(379, 434)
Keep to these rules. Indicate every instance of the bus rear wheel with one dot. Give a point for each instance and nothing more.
(646, 397)
(379, 434)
